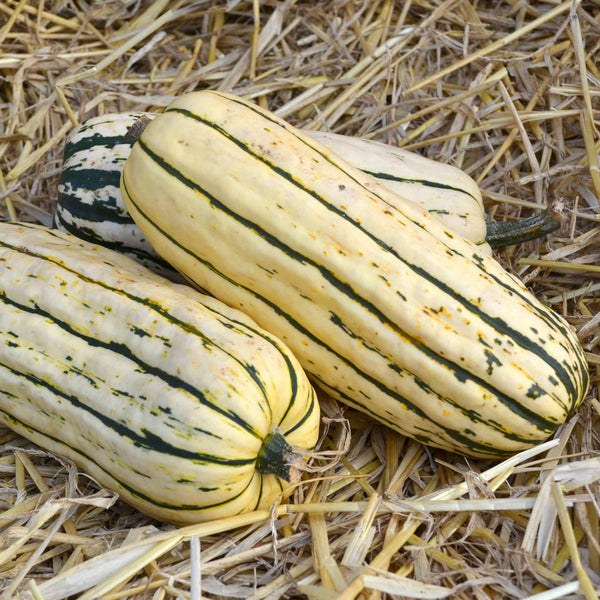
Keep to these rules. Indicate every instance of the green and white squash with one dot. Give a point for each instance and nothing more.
(387, 309)
(90, 206)
(89, 203)
(182, 405)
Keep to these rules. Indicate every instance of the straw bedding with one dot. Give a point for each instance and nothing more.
(507, 91)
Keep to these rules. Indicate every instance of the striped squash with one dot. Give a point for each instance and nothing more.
(182, 405)
(387, 309)
(446, 192)
(90, 206)
(89, 203)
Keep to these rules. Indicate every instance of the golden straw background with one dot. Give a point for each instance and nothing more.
(509, 91)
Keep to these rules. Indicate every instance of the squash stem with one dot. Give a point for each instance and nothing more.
(506, 233)
(134, 133)
(276, 457)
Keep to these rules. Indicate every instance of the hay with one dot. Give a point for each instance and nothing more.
(510, 93)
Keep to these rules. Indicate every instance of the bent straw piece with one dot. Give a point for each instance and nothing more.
(329, 572)
(363, 534)
(587, 588)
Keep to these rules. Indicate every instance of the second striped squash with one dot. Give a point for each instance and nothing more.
(182, 405)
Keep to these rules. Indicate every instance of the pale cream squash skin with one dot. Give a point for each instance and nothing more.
(385, 307)
(157, 391)
(457, 203)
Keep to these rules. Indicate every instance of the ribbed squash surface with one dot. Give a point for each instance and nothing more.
(445, 192)
(386, 308)
(160, 393)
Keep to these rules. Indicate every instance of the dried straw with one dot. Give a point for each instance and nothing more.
(510, 93)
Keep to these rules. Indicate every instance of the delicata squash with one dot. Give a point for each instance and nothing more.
(386, 308)
(182, 405)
